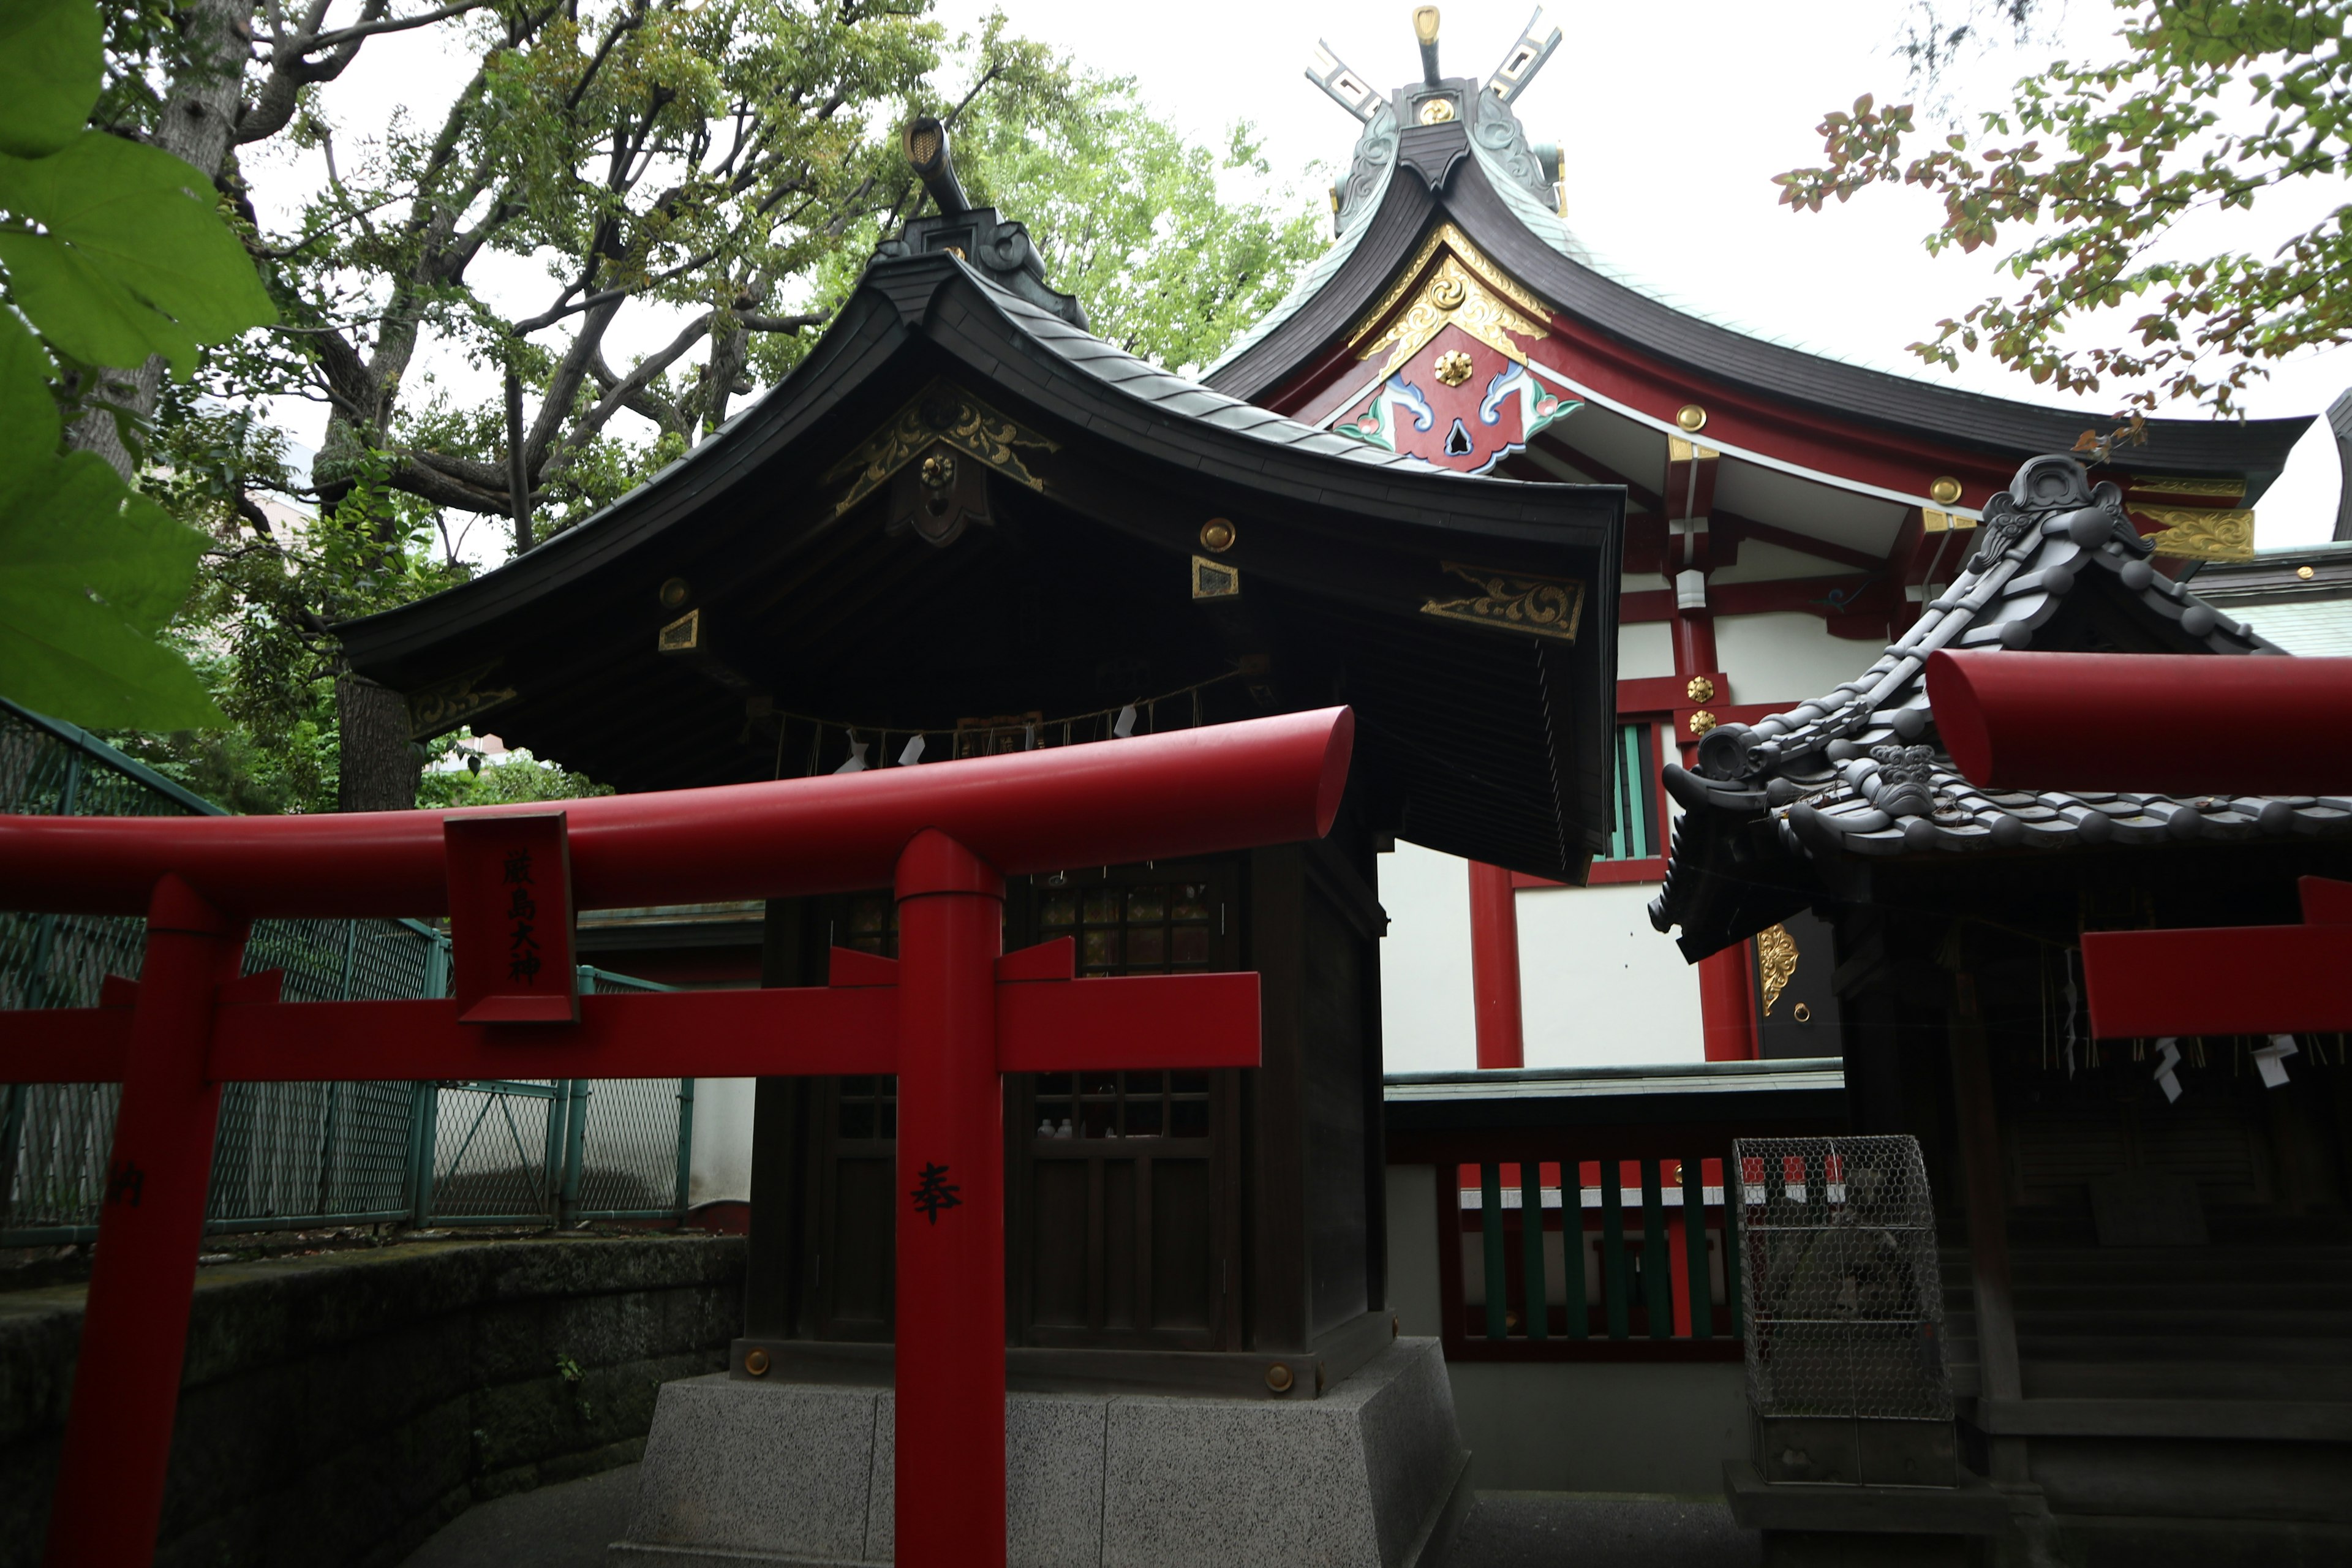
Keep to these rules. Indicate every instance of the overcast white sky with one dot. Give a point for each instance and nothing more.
(1674, 117)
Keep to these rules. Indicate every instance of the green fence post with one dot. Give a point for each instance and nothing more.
(1531, 1237)
(685, 1144)
(1734, 1209)
(1490, 1219)
(11, 1134)
(423, 1132)
(1657, 1256)
(575, 1140)
(1572, 1246)
(1702, 1287)
(1612, 1247)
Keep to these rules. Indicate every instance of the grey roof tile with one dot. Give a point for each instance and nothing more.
(1822, 768)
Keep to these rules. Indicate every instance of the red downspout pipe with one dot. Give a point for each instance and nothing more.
(1495, 967)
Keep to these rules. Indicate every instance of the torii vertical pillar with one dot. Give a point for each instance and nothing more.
(948, 1506)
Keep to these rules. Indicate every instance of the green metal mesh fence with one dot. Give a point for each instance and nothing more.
(301, 1155)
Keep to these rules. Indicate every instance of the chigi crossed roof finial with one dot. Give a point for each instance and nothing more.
(1351, 92)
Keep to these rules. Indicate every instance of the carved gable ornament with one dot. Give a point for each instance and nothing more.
(1455, 388)
(446, 704)
(1449, 283)
(1513, 602)
(933, 453)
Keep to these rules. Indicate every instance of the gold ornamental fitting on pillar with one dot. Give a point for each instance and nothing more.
(674, 593)
(1701, 689)
(1278, 1378)
(756, 1363)
(1691, 417)
(1217, 535)
(1944, 490)
(2305, 573)
(1701, 722)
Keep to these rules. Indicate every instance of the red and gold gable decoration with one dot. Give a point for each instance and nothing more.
(1456, 388)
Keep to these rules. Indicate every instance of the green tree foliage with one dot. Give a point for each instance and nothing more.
(110, 252)
(2210, 106)
(713, 171)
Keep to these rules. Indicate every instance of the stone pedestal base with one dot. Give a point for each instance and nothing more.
(1372, 1475)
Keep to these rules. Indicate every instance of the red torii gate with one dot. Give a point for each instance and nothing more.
(949, 1016)
(2185, 725)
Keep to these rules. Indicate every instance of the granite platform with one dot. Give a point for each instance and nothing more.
(1372, 1474)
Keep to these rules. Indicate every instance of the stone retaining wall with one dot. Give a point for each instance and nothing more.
(338, 1409)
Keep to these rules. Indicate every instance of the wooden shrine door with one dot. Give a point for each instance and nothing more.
(1123, 1190)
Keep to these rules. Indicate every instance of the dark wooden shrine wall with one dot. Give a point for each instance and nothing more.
(1144, 1211)
(2265, 1162)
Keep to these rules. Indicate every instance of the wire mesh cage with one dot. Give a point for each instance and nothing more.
(1846, 1376)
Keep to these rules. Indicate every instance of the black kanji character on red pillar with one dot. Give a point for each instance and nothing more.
(124, 1183)
(519, 865)
(936, 1193)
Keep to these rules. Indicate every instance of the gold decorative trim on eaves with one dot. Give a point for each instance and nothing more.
(940, 412)
(2218, 489)
(1514, 602)
(1463, 289)
(1776, 961)
(446, 704)
(2201, 533)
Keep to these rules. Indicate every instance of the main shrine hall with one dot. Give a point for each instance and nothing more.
(1543, 532)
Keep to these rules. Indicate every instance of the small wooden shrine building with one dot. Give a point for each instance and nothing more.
(2153, 1313)
(965, 523)
(1789, 512)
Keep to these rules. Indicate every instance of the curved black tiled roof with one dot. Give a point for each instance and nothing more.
(1860, 772)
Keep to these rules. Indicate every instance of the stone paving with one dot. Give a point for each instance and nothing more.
(567, 1526)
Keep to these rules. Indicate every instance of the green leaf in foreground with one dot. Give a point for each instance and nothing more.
(94, 572)
(135, 260)
(49, 65)
(28, 414)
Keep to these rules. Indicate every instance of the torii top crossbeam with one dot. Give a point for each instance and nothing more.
(1189, 792)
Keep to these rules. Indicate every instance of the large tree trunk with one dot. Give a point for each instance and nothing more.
(199, 113)
(380, 766)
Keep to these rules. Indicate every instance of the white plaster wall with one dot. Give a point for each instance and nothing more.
(1597, 985)
(1426, 1019)
(720, 1159)
(1645, 649)
(1786, 657)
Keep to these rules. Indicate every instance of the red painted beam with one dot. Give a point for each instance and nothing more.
(2232, 980)
(1134, 1022)
(64, 1045)
(2173, 723)
(1128, 1022)
(1495, 968)
(1188, 792)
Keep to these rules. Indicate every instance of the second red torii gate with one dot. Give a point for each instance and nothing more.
(2184, 724)
(949, 1016)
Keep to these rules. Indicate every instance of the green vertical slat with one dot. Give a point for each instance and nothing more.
(1531, 1236)
(1657, 1254)
(685, 1144)
(424, 1131)
(1702, 1288)
(1612, 1250)
(1490, 1217)
(1571, 1246)
(576, 1143)
(1735, 1198)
